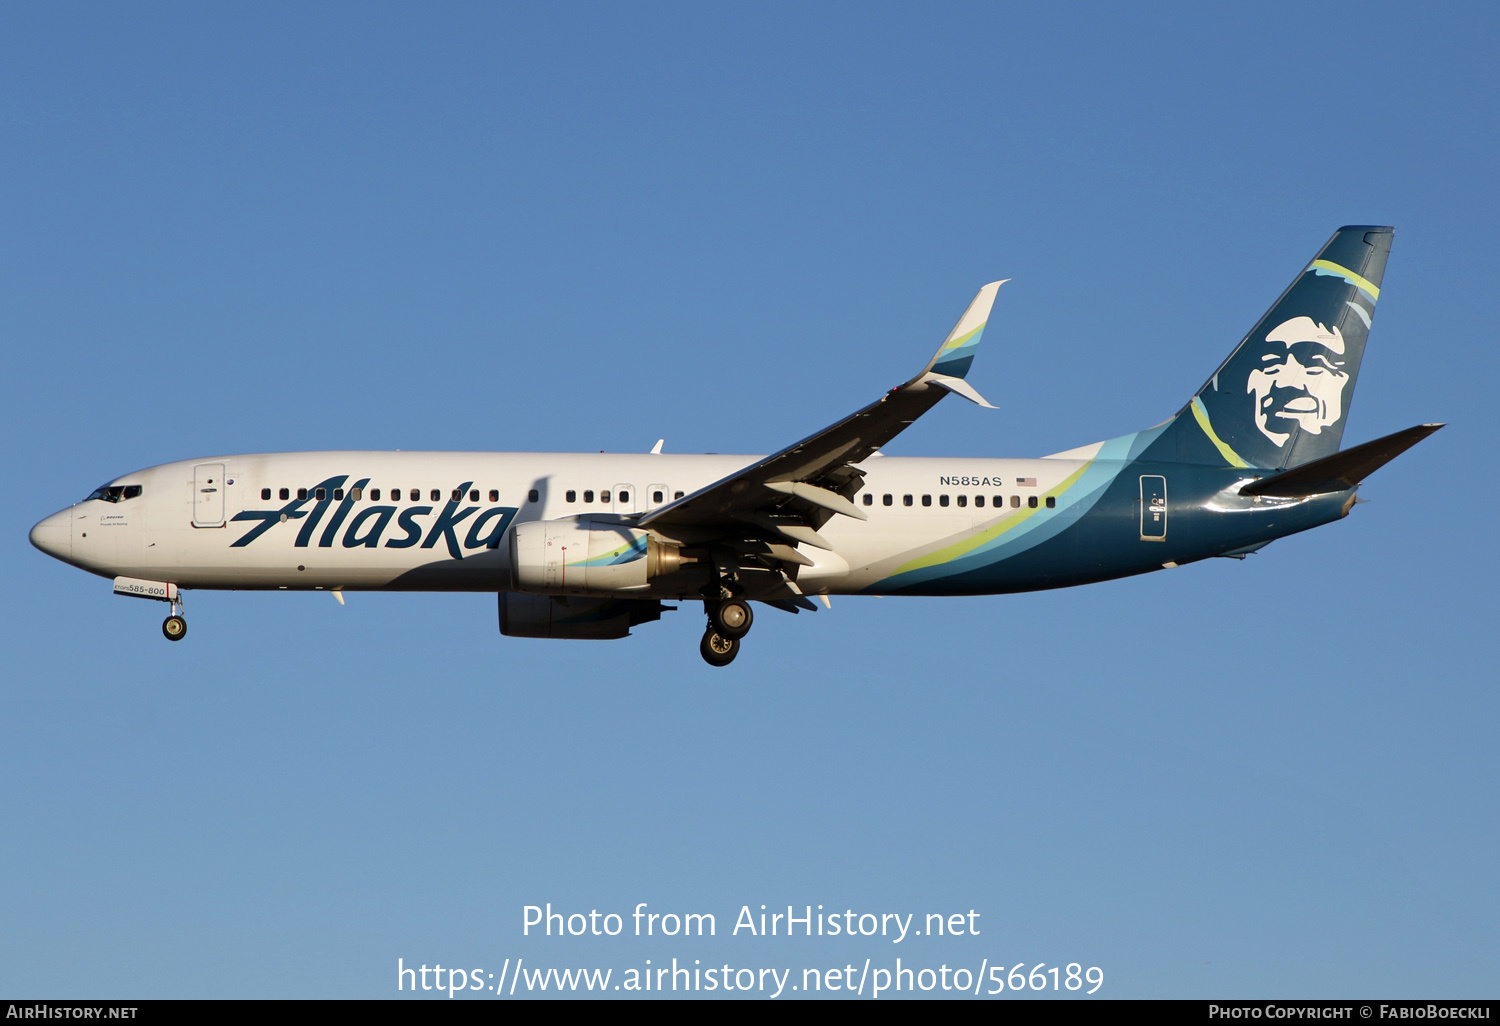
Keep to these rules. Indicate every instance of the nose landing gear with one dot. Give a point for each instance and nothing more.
(174, 627)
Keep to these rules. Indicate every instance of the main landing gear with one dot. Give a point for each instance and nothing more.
(729, 620)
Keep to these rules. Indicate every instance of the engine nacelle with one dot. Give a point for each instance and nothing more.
(572, 617)
(583, 554)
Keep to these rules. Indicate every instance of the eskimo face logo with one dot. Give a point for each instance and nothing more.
(1299, 380)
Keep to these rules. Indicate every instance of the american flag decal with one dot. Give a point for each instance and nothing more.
(1026, 482)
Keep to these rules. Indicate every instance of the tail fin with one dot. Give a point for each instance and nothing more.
(1282, 397)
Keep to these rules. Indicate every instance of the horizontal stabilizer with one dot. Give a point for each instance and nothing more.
(1342, 470)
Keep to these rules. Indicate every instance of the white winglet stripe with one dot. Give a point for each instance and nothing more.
(978, 312)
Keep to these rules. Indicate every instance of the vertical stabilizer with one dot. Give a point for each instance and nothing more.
(1283, 395)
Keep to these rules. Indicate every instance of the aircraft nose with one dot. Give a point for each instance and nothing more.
(54, 536)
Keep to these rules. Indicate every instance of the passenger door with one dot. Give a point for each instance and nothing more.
(208, 495)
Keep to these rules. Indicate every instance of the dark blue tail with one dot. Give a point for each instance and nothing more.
(1283, 395)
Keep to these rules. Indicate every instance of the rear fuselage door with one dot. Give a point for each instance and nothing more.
(1153, 507)
(208, 495)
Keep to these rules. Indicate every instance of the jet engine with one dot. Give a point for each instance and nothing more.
(588, 554)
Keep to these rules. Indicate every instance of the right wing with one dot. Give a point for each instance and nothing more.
(765, 510)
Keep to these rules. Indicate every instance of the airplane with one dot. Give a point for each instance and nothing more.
(587, 546)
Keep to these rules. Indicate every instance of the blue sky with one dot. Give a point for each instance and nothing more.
(247, 228)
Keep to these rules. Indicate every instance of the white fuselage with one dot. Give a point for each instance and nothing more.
(190, 523)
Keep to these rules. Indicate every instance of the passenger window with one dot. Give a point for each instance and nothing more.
(437, 495)
(927, 500)
(457, 496)
(659, 497)
(338, 493)
(942, 500)
(1015, 502)
(416, 495)
(265, 495)
(285, 494)
(1051, 502)
(906, 500)
(588, 495)
(1031, 501)
(999, 501)
(571, 495)
(322, 494)
(604, 496)
(677, 495)
(473, 494)
(888, 499)
(625, 497)
(963, 500)
(869, 498)
(356, 494)
(301, 493)
(531, 496)
(374, 494)
(979, 500)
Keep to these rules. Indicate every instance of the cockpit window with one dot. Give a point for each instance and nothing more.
(115, 493)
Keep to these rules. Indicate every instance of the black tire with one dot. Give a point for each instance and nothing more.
(718, 650)
(732, 618)
(174, 628)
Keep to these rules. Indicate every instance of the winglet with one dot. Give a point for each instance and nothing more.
(958, 386)
(957, 352)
